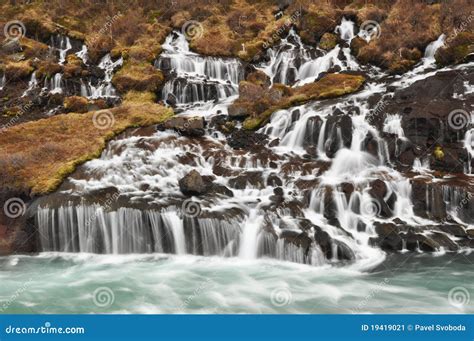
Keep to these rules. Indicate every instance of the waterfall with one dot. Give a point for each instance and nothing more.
(61, 44)
(196, 79)
(33, 83)
(469, 145)
(346, 29)
(314, 195)
(3, 81)
(293, 63)
(393, 125)
(54, 84)
(104, 88)
(83, 53)
(432, 47)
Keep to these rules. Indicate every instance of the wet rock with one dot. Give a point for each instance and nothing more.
(193, 184)
(300, 239)
(188, 126)
(273, 180)
(378, 190)
(324, 241)
(220, 189)
(415, 242)
(337, 126)
(344, 252)
(444, 241)
(470, 233)
(388, 237)
(253, 179)
(347, 188)
(455, 230)
(244, 139)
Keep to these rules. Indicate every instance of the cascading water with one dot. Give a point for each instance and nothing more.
(103, 88)
(3, 81)
(61, 44)
(196, 79)
(292, 63)
(322, 214)
(32, 84)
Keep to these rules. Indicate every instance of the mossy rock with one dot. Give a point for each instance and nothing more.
(76, 104)
(18, 70)
(457, 49)
(139, 77)
(328, 41)
(47, 69)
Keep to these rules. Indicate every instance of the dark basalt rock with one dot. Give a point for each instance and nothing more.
(247, 179)
(300, 239)
(245, 139)
(388, 238)
(188, 126)
(193, 184)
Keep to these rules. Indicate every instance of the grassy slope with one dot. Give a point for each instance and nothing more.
(38, 155)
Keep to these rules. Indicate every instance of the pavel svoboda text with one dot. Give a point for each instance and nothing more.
(439, 328)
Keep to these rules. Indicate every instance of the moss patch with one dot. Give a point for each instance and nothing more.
(139, 77)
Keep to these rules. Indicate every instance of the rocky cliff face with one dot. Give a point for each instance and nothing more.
(306, 131)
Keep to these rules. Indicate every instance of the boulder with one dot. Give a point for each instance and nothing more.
(188, 126)
(193, 184)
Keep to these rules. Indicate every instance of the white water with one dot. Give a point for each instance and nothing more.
(32, 84)
(197, 79)
(145, 170)
(3, 81)
(292, 63)
(104, 88)
(62, 44)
